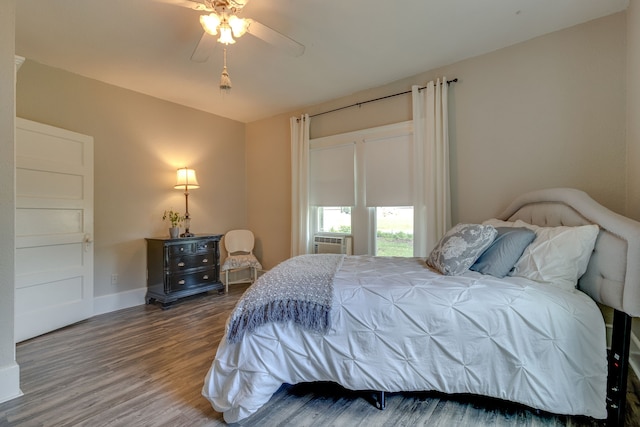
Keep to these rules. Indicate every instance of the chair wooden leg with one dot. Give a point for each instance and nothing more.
(226, 281)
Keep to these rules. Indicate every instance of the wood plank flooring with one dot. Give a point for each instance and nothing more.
(145, 367)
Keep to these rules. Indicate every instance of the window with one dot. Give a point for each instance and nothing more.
(334, 219)
(361, 183)
(394, 231)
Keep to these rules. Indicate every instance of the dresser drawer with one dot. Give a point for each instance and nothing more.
(191, 248)
(204, 246)
(182, 249)
(179, 282)
(186, 262)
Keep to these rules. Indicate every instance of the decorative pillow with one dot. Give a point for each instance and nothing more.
(558, 256)
(505, 251)
(460, 247)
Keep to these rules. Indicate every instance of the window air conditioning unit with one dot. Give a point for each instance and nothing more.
(329, 243)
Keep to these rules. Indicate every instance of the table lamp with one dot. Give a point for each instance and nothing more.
(186, 179)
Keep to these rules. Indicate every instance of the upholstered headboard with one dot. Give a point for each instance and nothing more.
(613, 275)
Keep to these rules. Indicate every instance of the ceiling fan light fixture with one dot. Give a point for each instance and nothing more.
(210, 23)
(225, 34)
(238, 26)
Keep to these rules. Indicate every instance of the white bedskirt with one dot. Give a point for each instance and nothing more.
(398, 326)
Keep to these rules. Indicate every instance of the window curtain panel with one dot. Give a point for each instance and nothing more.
(432, 210)
(300, 185)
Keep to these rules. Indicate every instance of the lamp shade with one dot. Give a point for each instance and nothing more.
(225, 34)
(210, 23)
(238, 25)
(186, 178)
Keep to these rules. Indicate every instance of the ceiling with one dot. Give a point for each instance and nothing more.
(353, 45)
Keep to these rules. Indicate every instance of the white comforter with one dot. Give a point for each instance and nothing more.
(398, 326)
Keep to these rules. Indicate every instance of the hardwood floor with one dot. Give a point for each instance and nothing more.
(145, 367)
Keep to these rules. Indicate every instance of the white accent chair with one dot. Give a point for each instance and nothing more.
(239, 245)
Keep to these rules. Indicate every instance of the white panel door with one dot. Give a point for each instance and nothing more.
(54, 228)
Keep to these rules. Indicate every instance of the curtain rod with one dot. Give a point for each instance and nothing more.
(358, 104)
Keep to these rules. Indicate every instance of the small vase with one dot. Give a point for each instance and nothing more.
(174, 232)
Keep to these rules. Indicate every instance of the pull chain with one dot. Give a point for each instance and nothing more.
(225, 80)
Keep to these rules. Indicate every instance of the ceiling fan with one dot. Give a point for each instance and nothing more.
(222, 20)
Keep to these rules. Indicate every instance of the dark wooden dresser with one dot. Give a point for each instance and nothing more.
(177, 268)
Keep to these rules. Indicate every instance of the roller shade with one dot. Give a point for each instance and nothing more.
(389, 171)
(332, 171)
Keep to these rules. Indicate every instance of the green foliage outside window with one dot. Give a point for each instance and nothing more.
(394, 244)
(342, 229)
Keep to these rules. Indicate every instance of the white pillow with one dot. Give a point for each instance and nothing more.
(499, 223)
(558, 255)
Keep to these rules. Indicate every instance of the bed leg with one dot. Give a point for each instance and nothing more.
(382, 400)
(618, 369)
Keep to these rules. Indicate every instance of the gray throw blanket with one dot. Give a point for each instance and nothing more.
(299, 289)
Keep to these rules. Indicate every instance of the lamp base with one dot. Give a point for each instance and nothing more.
(187, 224)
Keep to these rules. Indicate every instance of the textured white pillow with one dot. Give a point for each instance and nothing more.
(558, 256)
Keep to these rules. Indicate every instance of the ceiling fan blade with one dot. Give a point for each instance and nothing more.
(275, 38)
(205, 47)
(190, 4)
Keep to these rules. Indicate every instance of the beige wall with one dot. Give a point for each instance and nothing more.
(633, 110)
(139, 142)
(268, 195)
(544, 113)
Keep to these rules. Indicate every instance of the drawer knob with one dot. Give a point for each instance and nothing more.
(205, 260)
(181, 249)
(181, 264)
(180, 282)
(206, 276)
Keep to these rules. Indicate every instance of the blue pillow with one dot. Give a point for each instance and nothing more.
(504, 252)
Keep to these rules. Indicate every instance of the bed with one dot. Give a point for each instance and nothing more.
(396, 324)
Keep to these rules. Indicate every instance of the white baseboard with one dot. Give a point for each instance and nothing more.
(10, 382)
(108, 303)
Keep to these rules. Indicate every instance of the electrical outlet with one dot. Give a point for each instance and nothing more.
(114, 279)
